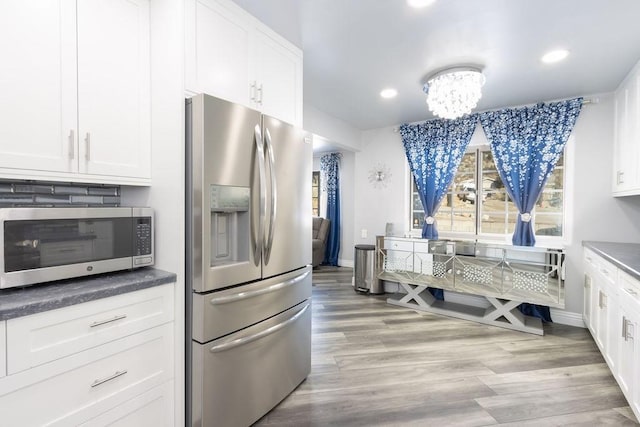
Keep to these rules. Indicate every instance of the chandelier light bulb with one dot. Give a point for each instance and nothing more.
(455, 92)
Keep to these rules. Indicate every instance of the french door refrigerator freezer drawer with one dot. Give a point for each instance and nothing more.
(220, 313)
(261, 364)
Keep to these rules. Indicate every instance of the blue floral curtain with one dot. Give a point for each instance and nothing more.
(434, 150)
(330, 167)
(526, 144)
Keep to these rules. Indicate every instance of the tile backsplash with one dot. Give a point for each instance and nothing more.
(57, 194)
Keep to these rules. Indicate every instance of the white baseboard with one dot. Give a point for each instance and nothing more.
(561, 317)
(345, 263)
(564, 317)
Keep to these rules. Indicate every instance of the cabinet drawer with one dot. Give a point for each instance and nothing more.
(589, 257)
(400, 245)
(75, 389)
(153, 408)
(629, 286)
(44, 337)
(600, 266)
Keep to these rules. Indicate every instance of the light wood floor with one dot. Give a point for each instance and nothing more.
(374, 364)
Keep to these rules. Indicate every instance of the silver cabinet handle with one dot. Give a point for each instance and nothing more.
(274, 195)
(257, 255)
(620, 177)
(252, 91)
(246, 340)
(600, 299)
(631, 291)
(624, 328)
(261, 93)
(115, 375)
(104, 322)
(72, 143)
(251, 294)
(87, 153)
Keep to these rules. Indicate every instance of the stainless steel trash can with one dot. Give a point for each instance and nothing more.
(364, 271)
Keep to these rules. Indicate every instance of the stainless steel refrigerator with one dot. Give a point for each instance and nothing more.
(248, 273)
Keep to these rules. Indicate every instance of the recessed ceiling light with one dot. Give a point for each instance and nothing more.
(388, 93)
(419, 3)
(554, 56)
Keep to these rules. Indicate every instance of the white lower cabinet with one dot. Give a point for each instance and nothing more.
(612, 314)
(153, 408)
(628, 343)
(3, 349)
(122, 375)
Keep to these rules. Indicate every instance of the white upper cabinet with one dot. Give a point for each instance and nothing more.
(76, 90)
(626, 174)
(114, 88)
(217, 49)
(231, 55)
(278, 76)
(38, 84)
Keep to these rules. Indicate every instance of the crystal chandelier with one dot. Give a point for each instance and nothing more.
(454, 92)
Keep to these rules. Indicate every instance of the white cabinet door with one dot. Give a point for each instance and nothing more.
(591, 292)
(626, 177)
(217, 51)
(38, 85)
(625, 332)
(114, 87)
(3, 349)
(607, 314)
(278, 71)
(587, 306)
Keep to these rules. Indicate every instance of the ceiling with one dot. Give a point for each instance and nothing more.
(355, 48)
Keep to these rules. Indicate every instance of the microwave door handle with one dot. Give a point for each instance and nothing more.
(274, 196)
(257, 255)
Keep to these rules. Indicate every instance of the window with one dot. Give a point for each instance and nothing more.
(315, 193)
(477, 202)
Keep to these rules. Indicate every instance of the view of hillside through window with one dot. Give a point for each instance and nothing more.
(477, 202)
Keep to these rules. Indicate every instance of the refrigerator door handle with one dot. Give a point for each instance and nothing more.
(244, 295)
(274, 196)
(246, 340)
(257, 255)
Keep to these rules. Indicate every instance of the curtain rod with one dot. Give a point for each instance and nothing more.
(396, 129)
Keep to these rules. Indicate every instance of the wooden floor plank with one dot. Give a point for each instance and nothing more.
(374, 364)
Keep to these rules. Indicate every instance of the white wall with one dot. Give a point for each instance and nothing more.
(341, 134)
(374, 207)
(166, 195)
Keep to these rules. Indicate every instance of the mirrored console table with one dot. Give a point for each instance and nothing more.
(504, 275)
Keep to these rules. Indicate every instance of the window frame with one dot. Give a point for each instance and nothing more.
(541, 240)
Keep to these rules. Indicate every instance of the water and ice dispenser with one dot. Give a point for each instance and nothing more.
(230, 224)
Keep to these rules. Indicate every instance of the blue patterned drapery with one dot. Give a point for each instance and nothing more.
(434, 150)
(526, 144)
(330, 167)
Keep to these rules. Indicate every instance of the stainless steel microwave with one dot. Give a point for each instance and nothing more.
(45, 244)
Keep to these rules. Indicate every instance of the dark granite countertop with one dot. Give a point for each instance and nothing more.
(625, 256)
(18, 302)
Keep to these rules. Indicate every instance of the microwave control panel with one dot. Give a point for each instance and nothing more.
(144, 240)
